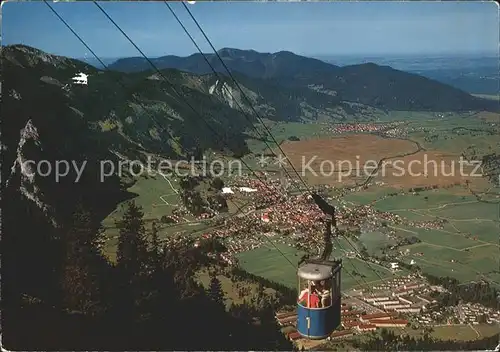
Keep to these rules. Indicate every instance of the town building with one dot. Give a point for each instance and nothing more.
(80, 78)
(382, 323)
(367, 317)
(366, 327)
(341, 334)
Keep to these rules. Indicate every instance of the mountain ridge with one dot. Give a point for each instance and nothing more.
(369, 83)
(131, 115)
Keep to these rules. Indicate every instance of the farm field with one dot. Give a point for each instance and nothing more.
(281, 132)
(454, 134)
(351, 148)
(158, 198)
(270, 264)
(370, 195)
(441, 256)
(458, 134)
(358, 273)
(424, 200)
(426, 168)
(453, 332)
(154, 194)
(465, 332)
(351, 158)
(437, 238)
(465, 212)
(487, 231)
(465, 248)
(342, 159)
(489, 116)
(374, 242)
(468, 244)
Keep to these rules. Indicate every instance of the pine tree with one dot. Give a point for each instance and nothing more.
(155, 246)
(132, 263)
(154, 237)
(217, 183)
(132, 247)
(215, 291)
(82, 264)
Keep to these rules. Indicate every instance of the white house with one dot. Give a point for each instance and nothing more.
(227, 190)
(394, 266)
(247, 189)
(80, 78)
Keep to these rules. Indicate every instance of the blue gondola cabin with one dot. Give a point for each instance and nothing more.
(318, 304)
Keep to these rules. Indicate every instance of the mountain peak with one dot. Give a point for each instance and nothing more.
(285, 53)
(28, 50)
(27, 56)
(234, 52)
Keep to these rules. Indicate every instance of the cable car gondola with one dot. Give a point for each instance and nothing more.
(319, 301)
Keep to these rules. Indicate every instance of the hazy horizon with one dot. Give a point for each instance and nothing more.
(388, 56)
(327, 29)
(331, 56)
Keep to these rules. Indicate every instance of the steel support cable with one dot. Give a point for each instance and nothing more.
(101, 62)
(366, 261)
(173, 88)
(248, 101)
(158, 124)
(181, 98)
(236, 83)
(241, 91)
(356, 270)
(219, 78)
(239, 88)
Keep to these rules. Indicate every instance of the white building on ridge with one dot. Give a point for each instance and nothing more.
(80, 78)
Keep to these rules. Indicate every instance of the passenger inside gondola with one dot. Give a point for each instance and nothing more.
(310, 299)
(324, 291)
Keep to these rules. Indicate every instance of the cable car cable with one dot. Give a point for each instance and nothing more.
(241, 90)
(324, 206)
(105, 66)
(366, 261)
(83, 42)
(328, 241)
(148, 60)
(328, 245)
(243, 94)
(221, 79)
(188, 104)
(166, 80)
(357, 271)
(236, 83)
(139, 102)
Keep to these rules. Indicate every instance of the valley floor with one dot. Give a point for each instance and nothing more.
(456, 225)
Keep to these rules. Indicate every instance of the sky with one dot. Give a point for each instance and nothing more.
(306, 28)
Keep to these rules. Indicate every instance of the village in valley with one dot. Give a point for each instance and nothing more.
(407, 303)
(304, 192)
(392, 234)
